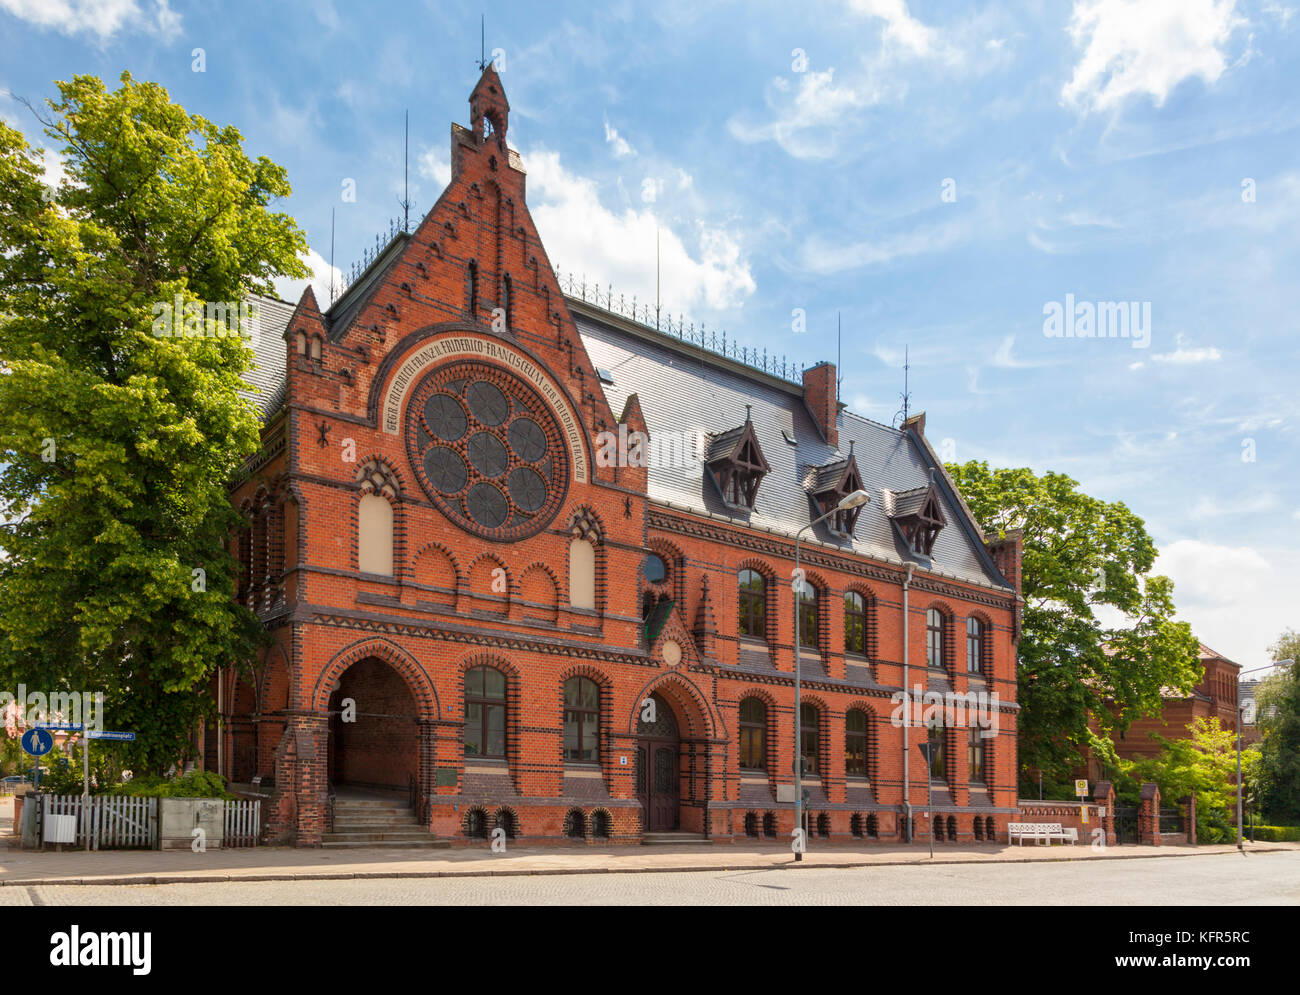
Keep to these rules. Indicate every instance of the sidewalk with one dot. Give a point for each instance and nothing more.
(27, 867)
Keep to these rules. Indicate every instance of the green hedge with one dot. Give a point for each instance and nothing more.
(1276, 834)
(197, 784)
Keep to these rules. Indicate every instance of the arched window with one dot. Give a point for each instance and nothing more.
(300, 342)
(976, 634)
(581, 719)
(582, 574)
(375, 535)
(809, 736)
(315, 347)
(753, 604)
(753, 734)
(934, 638)
(855, 624)
(936, 753)
(975, 755)
(855, 743)
(808, 599)
(485, 712)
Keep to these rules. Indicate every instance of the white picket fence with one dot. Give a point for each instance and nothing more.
(113, 821)
(125, 821)
(243, 823)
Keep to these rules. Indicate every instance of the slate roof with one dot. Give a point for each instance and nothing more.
(683, 391)
(268, 372)
(910, 502)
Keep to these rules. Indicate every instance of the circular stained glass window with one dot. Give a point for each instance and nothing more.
(487, 506)
(446, 469)
(487, 403)
(488, 450)
(527, 488)
(488, 454)
(446, 417)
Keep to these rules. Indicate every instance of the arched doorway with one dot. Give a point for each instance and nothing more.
(379, 749)
(657, 760)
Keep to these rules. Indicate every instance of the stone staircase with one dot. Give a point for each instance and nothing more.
(377, 822)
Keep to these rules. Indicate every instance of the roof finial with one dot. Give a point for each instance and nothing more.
(748, 408)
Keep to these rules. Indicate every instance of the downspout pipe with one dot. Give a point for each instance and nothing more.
(907, 714)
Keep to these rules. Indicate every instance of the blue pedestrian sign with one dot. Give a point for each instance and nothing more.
(128, 737)
(37, 742)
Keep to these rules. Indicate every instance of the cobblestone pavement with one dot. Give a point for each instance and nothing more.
(1256, 879)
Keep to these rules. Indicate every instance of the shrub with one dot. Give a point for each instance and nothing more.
(196, 784)
(1277, 834)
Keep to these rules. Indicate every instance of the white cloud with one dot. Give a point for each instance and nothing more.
(901, 28)
(433, 164)
(1185, 357)
(820, 254)
(622, 149)
(805, 119)
(584, 237)
(291, 290)
(1238, 599)
(102, 18)
(1145, 47)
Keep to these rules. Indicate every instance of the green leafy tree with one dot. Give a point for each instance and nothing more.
(1081, 555)
(117, 445)
(1277, 710)
(1205, 766)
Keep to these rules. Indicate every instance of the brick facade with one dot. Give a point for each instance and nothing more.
(487, 580)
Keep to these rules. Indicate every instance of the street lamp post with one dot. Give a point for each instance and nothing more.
(855, 500)
(1240, 723)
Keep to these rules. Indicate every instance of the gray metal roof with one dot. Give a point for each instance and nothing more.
(687, 396)
(268, 372)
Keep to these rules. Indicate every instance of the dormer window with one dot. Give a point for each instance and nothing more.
(736, 464)
(918, 515)
(829, 485)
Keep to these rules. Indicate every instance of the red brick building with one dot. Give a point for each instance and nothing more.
(1214, 697)
(527, 563)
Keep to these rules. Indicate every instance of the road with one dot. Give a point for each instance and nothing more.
(1225, 879)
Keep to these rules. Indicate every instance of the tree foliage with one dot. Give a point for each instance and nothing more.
(1277, 711)
(118, 445)
(1099, 639)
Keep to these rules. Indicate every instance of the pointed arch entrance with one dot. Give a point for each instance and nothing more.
(658, 753)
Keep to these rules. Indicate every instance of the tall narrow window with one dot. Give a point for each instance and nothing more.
(809, 737)
(855, 624)
(934, 638)
(936, 753)
(582, 574)
(581, 719)
(753, 604)
(507, 301)
(485, 713)
(753, 734)
(808, 616)
(855, 743)
(975, 637)
(375, 535)
(471, 290)
(975, 755)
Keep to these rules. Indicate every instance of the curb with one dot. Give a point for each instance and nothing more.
(202, 877)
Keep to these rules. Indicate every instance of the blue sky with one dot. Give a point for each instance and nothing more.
(937, 173)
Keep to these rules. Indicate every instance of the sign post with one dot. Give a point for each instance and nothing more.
(928, 750)
(1081, 792)
(85, 769)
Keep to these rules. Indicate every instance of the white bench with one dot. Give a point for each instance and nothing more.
(1041, 832)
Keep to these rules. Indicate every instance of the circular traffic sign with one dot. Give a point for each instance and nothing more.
(37, 742)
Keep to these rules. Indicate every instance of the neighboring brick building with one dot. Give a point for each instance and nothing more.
(535, 639)
(1214, 697)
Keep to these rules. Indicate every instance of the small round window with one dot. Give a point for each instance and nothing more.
(655, 569)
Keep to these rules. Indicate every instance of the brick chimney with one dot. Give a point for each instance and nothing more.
(819, 395)
(1006, 553)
